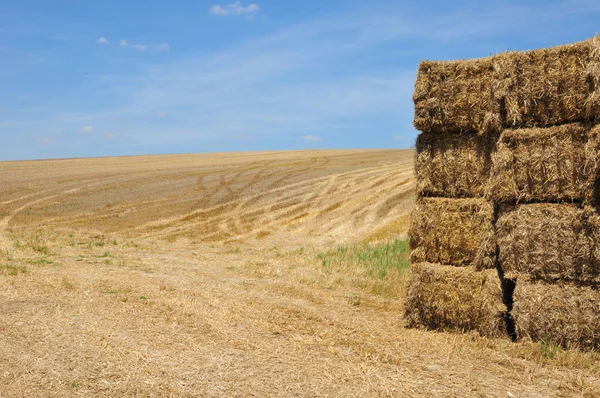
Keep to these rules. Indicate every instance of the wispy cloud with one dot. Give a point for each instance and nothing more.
(144, 47)
(312, 138)
(87, 129)
(162, 47)
(45, 141)
(102, 40)
(236, 8)
(331, 79)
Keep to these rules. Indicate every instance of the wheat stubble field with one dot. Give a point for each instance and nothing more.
(235, 274)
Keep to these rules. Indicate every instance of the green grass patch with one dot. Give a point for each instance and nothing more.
(41, 261)
(549, 349)
(38, 245)
(378, 259)
(12, 270)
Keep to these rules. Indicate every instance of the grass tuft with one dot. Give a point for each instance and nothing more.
(549, 350)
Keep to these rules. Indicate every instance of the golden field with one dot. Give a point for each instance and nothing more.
(234, 274)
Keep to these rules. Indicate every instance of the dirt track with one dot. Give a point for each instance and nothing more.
(197, 275)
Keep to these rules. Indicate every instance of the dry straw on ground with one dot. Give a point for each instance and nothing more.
(453, 165)
(537, 88)
(546, 164)
(453, 231)
(560, 314)
(455, 298)
(548, 241)
(156, 310)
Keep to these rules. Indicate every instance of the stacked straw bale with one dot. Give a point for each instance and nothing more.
(563, 314)
(552, 164)
(455, 298)
(453, 165)
(456, 232)
(539, 88)
(505, 233)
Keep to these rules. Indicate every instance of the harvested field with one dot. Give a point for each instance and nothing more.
(549, 241)
(560, 314)
(442, 297)
(538, 88)
(453, 165)
(553, 164)
(234, 274)
(456, 232)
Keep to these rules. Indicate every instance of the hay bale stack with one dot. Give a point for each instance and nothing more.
(549, 241)
(508, 184)
(537, 88)
(455, 299)
(561, 314)
(457, 232)
(558, 163)
(453, 165)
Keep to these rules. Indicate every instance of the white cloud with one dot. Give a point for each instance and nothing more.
(311, 138)
(102, 40)
(123, 43)
(236, 8)
(160, 115)
(87, 129)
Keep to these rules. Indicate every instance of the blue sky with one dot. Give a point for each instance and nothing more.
(85, 78)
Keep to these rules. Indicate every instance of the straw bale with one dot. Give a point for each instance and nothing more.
(455, 299)
(456, 232)
(549, 241)
(453, 165)
(456, 96)
(538, 88)
(557, 163)
(561, 314)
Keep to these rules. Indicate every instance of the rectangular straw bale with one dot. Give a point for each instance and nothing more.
(564, 315)
(456, 232)
(455, 299)
(549, 241)
(557, 163)
(453, 165)
(554, 85)
(538, 88)
(456, 96)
